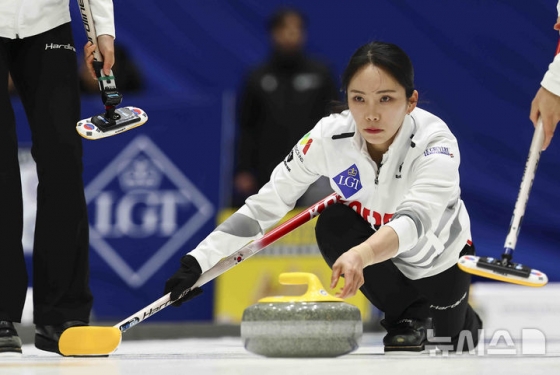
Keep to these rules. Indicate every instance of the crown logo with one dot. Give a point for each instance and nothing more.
(352, 172)
(140, 174)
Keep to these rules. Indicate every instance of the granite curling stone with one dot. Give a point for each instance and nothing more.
(315, 324)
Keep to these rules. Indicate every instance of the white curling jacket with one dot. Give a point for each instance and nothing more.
(25, 18)
(415, 191)
(551, 79)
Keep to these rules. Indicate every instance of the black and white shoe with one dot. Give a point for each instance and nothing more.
(9, 339)
(47, 336)
(407, 336)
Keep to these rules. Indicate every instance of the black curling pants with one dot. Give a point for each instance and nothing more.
(444, 296)
(44, 70)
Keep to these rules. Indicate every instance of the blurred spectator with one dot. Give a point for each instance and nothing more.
(126, 71)
(281, 99)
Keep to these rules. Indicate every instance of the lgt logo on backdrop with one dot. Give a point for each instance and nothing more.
(143, 209)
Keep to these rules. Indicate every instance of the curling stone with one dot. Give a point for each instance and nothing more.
(315, 324)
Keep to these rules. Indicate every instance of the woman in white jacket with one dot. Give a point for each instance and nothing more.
(402, 225)
(37, 50)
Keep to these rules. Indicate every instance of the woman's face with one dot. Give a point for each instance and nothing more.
(378, 104)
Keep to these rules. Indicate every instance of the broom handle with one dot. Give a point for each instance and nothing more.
(525, 189)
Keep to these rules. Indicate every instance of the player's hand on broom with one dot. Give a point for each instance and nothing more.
(547, 106)
(351, 266)
(183, 279)
(106, 49)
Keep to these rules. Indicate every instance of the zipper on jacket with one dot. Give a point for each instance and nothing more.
(378, 173)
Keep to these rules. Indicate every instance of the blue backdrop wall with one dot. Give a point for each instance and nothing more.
(478, 65)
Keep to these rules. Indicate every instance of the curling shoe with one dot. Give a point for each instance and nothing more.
(9, 339)
(407, 336)
(46, 337)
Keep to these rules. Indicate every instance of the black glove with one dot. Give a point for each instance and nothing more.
(183, 279)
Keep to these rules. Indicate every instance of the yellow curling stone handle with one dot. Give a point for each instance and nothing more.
(315, 291)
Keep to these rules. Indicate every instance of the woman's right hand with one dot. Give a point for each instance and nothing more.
(349, 265)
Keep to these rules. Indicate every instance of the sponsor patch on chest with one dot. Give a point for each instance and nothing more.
(349, 181)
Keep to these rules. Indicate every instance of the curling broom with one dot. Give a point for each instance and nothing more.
(504, 269)
(114, 120)
(96, 341)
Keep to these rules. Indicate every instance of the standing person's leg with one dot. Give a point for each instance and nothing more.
(340, 228)
(13, 273)
(453, 317)
(48, 72)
